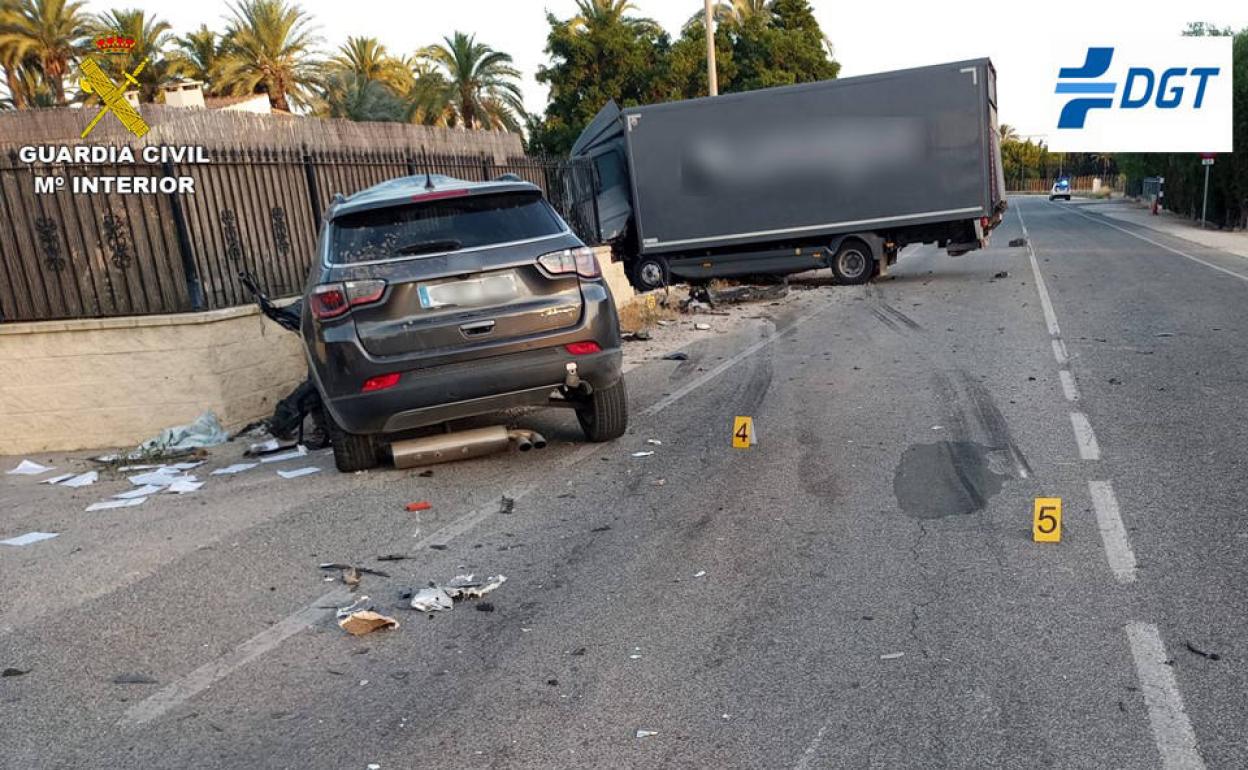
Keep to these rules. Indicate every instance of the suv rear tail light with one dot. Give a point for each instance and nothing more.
(579, 260)
(330, 300)
(582, 348)
(380, 382)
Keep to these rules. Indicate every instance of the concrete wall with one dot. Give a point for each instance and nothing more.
(113, 382)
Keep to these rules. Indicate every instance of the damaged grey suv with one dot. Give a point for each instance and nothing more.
(436, 299)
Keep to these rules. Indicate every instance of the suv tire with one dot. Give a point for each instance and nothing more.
(605, 413)
(352, 451)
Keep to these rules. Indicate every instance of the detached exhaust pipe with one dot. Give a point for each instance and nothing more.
(462, 445)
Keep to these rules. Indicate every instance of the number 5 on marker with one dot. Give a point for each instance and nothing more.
(1046, 520)
(743, 433)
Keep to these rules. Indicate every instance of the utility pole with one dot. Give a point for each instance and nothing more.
(711, 78)
(1206, 160)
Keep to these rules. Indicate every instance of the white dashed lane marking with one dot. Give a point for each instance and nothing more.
(1172, 731)
(1113, 532)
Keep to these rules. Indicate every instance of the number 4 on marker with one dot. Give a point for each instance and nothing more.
(1046, 520)
(743, 433)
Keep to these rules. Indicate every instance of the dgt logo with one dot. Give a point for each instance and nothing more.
(1168, 96)
(1097, 64)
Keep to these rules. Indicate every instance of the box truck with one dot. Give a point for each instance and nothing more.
(838, 173)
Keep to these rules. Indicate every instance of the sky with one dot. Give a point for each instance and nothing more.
(872, 36)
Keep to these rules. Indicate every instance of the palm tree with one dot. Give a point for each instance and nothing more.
(53, 32)
(606, 13)
(734, 12)
(197, 56)
(150, 34)
(351, 95)
(481, 80)
(369, 59)
(268, 49)
(426, 95)
(13, 55)
(1008, 133)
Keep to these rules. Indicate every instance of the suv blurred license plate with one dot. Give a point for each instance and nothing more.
(474, 292)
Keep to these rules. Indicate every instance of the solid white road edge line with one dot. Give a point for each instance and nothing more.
(1113, 532)
(178, 692)
(1084, 437)
(1171, 729)
(1170, 249)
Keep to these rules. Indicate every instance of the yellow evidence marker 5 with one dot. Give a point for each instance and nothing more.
(1046, 520)
(743, 433)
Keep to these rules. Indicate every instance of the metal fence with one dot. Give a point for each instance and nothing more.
(66, 255)
(1078, 184)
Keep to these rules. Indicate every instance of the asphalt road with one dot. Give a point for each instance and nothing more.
(858, 589)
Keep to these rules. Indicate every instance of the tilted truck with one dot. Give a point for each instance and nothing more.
(837, 173)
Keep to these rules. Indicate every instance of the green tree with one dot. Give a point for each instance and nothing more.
(151, 35)
(198, 56)
(782, 47)
(52, 32)
(602, 53)
(482, 82)
(270, 49)
(351, 95)
(368, 58)
(687, 62)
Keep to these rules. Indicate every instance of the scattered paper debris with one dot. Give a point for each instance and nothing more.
(105, 505)
(29, 537)
(431, 599)
(235, 468)
(267, 448)
(188, 465)
(182, 486)
(423, 505)
(642, 454)
(299, 472)
(892, 656)
(646, 733)
(161, 477)
(702, 327)
(30, 468)
(143, 491)
(58, 479)
(361, 618)
(654, 442)
(131, 468)
(700, 573)
(294, 454)
(82, 480)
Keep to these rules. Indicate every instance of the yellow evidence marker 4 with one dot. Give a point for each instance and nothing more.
(743, 433)
(1046, 520)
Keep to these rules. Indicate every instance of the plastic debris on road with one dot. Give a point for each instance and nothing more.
(702, 327)
(431, 599)
(642, 454)
(29, 468)
(29, 537)
(81, 480)
(677, 356)
(654, 442)
(892, 656)
(299, 472)
(361, 617)
(646, 733)
(294, 454)
(106, 505)
(422, 505)
(205, 431)
(235, 468)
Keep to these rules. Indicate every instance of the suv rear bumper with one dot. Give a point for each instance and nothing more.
(437, 394)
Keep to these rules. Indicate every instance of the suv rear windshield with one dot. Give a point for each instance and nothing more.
(449, 224)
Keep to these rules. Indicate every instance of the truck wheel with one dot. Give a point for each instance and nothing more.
(853, 263)
(605, 413)
(352, 451)
(650, 273)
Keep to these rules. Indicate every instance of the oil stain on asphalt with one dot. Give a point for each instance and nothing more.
(947, 478)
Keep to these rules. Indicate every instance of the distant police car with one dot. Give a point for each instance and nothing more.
(1061, 189)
